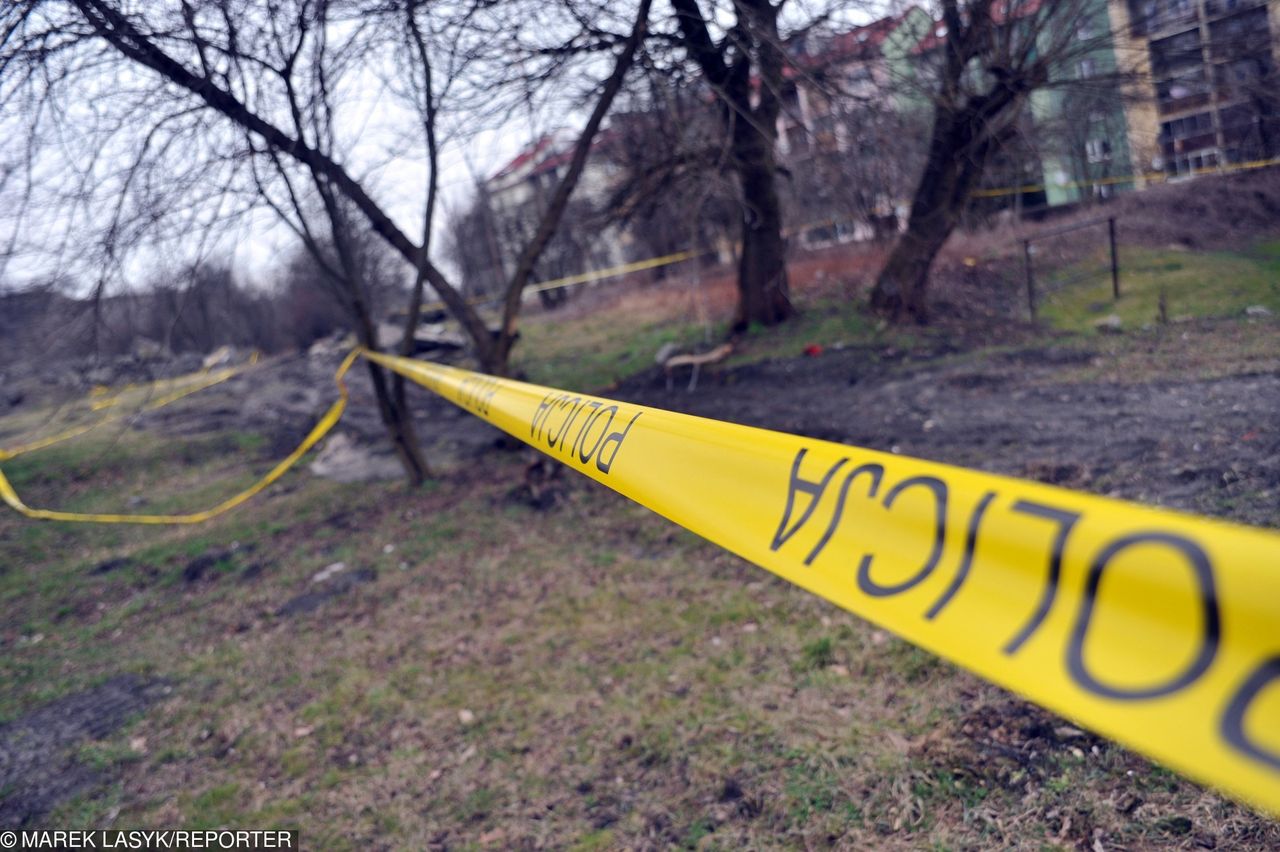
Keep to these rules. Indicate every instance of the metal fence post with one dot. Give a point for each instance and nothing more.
(1115, 259)
(1031, 282)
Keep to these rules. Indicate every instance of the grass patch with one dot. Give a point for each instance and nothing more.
(596, 352)
(1194, 285)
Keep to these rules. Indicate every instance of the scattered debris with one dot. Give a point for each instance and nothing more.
(1111, 324)
(328, 571)
(338, 585)
(345, 461)
(542, 485)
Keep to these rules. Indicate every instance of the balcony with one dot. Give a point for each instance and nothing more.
(1155, 19)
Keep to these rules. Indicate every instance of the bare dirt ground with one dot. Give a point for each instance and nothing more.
(1050, 413)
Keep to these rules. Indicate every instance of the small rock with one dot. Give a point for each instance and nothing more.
(328, 571)
(343, 460)
(138, 745)
(340, 584)
(388, 549)
(837, 669)
(302, 731)
(1111, 324)
(1257, 311)
(466, 717)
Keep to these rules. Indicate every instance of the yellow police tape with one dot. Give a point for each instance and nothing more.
(1149, 177)
(1154, 628)
(322, 427)
(97, 403)
(1158, 629)
(610, 272)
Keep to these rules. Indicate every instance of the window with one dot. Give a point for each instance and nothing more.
(1098, 150)
(1087, 68)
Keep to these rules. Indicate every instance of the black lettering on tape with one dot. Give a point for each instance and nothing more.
(813, 490)
(584, 455)
(476, 393)
(1211, 629)
(876, 472)
(616, 439)
(594, 405)
(572, 402)
(1232, 725)
(1066, 521)
(939, 490)
(966, 561)
(544, 409)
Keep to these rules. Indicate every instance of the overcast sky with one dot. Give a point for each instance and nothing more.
(51, 231)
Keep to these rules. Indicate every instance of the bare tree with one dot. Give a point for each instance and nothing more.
(745, 71)
(676, 190)
(987, 58)
(227, 107)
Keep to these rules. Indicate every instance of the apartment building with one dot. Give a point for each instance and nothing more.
(519, 192)
(847, 104)
(1214, 90)
(1080, 125)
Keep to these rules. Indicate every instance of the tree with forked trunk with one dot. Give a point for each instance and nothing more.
(981, 65)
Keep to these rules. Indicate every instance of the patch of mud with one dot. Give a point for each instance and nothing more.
(39, 766)
(1016, 417)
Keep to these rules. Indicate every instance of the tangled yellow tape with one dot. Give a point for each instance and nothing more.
(9, 496)
(100, 398)
(1158, 629)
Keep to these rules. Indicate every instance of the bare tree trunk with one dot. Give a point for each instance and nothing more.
(398, 420)
(497, 359)
(954, 165)
(750, 113)
(763, 291)
(396, 416)
(400, 400)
